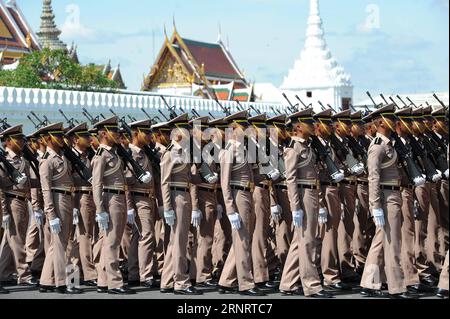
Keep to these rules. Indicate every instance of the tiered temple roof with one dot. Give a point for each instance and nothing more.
(208, 69)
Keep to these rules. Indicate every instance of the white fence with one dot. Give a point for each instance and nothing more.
(16, 104)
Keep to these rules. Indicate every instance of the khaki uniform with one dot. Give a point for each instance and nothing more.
(236, 181)
(443, 280)
(86, 228)
(142, 199)
(14, 200)
(302, 182)
(57, 186)
(383, 172)
(175, 186)
(108, 188)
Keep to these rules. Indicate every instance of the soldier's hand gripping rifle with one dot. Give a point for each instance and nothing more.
(28, 154)
(141, 175)
(74, 158)
(323, 154)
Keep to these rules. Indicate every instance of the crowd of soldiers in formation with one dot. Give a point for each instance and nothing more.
(350, 201)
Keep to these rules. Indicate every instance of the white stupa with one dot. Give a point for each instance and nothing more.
(316, 75)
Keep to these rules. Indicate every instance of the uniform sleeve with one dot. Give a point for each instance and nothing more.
(194, 190)
(291, 178)
(35, 192)
(273, 197)
(5, 181)
(226, 162)
(166, 170)
(98, 169)
(322, 200)
(375, 158)
(46, 172)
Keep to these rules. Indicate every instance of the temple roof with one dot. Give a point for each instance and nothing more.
(316, 67)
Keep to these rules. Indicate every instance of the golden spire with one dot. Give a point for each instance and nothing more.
(28, 40)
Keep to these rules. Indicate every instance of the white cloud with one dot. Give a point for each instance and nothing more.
(72, 27)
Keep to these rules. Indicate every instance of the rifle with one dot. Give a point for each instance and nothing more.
(323, 154)
(14, 175)
(171, 109)
(292, 108)
(90, 150)
(298, 98)
(150, 118)
(440, 101)
(195, 113)
(226, 111)
(150, 152)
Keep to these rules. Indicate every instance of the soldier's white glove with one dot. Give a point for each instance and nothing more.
(103, 221)
(235, 220)
(6, 221)
(170, 217)
(446, 173)
(297, 218)
(76, 215)
(276, 213)
(161, 212)
(338, 177)
(55, 226)
(196, 218)
(419, 181)
(219, 211)
(39, 217)
(274, 175)
(22, 178)
(437, 177)
(131, 217)
(212, 178)
(323, 216)
(146, 178)
(358, 169)
(378, 216)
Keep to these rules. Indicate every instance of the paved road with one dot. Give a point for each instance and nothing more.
(142, 293)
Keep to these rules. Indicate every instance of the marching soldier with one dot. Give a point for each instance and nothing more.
(142, 213)
(303, 182)
(237, 186)
(14, 199)
(84, 210)
(109, 188)
(385, 203)
(176, 182)
(57, 188)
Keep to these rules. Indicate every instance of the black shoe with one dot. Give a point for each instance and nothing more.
(134, 283)
(227, 290)
(420, 289)
(370, 293)
(149, 284)
(209, 284)
(340, 286)
(405, 296)
(166, 290)
(267, 286)
(429, 281)
(90, 283)
(68, 290)
(3, 291)
(442, 293)
(46, 289)
(190, 291)
(322, 295)
(255, 292)
(298, 292)
(121, 291)
(102, 290)
(32, 282)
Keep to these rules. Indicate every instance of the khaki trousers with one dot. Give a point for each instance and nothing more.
(85, 236)
(361, 236)
(283, 228)
(290, 279)
(261, 199)
(346, 231)
(443, 280)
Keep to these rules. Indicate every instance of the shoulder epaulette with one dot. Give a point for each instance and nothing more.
(378, 141)
(99, 151)
(46, 155)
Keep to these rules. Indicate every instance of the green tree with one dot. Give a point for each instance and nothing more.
(54, 69)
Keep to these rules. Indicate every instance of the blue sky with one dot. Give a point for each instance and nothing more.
(407, 53)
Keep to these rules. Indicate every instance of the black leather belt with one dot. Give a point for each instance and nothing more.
(141, 194)
(282, 187)
(330, 184)
(179, 189)
(305, 186)
(344, 182)
(60, 191)
(408, 186)
(390, 188)
(241, 188)
(113, 191)
(12, 196)
(83, 192)
(363, 183)
(206, 189)
(263, 186)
